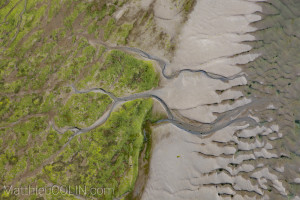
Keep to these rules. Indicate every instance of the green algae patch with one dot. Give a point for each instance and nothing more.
(121, 73)
(82, 110)
(106, 157)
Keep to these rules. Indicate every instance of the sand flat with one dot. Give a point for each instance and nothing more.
(229, 163)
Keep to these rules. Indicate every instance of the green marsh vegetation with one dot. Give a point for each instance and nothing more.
(106, 156)
(82, 110)
(44, 48)
(121, 73)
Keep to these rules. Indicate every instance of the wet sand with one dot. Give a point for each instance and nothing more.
(241, 160)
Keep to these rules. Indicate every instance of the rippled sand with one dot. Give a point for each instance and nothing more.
(254, 43)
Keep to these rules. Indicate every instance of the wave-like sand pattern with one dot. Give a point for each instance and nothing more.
(242, 160)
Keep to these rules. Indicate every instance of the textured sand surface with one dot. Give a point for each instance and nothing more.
(242, 160)
(213, 34)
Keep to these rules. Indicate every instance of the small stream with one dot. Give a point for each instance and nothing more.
(201, 130)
